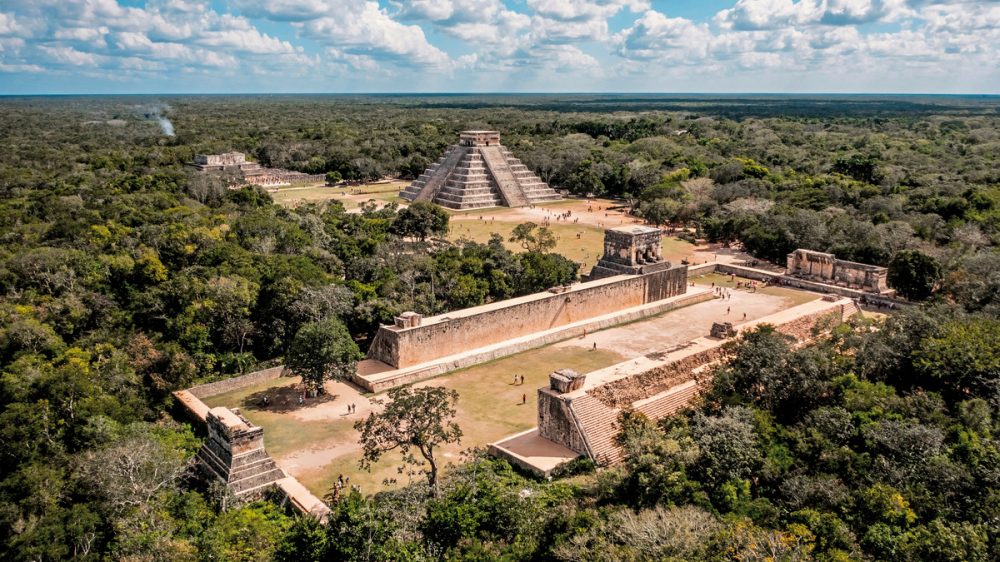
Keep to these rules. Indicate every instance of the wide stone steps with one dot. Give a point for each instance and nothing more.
(477, 177)
(599, 424)
(510, 190)
(672, 400)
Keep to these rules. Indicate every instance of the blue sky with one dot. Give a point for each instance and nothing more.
(223, 46)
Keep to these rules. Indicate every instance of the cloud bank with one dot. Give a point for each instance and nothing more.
(499, 45)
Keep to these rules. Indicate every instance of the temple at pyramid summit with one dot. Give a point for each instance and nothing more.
(479, 172)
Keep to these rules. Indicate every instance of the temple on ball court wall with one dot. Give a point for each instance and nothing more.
(630, 249)
(479, 172)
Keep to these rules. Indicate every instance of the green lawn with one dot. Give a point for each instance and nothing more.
(584, 249)
(489, 408)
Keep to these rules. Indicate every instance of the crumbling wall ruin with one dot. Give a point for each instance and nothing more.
(826, 268)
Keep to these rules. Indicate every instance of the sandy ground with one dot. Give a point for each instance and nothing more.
(679, 326)
(590, 212)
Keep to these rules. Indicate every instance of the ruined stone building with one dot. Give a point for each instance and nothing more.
(826, 268)
(242, 172)
(579, 412)
(479, 172)
(630, 250)
(234, 453)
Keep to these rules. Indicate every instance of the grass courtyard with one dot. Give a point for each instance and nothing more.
(489, 408)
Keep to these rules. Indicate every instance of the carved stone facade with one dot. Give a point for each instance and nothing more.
(234, 453)
(826, 268)
(479, 172)
(630, 250)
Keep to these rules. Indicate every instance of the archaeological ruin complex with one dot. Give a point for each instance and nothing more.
(632, 249)
(826, 268)
(578, 412)
(479, 172)
(234, 454)
(242, 172)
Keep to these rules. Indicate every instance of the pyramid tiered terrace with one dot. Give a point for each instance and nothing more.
(479, 172)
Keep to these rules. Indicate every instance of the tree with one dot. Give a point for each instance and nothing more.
(914, 274)
(420, 220)
(660, 211)
(533, 238)
(414, 418)
(323, 350)
(542, 271)
(964, 356)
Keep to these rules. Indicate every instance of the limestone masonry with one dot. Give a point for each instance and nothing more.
(244, 172)
(580, 412)
(412, 340)
(630, 249)
(234, 453)
(826, 268)
(479, 172)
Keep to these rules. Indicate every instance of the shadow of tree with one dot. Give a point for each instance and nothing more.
(283, 399)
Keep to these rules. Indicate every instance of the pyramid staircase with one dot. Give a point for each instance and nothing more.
(479, 173)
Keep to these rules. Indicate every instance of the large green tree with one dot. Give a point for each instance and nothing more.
(323, 350)
(420, 220)
(414, 421)
(914, 274)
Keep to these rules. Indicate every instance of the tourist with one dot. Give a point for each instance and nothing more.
(595, 346)
(522, 379)
(524, 399)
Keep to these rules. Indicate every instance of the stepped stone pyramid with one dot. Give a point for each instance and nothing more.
(479, 172)
(234, 453)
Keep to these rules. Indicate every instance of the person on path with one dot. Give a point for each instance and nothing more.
(524, 399)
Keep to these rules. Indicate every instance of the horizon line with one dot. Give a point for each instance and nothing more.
(499, 93)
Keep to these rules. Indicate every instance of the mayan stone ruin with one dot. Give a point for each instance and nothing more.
(630, 250)
(826, 268)
(234, 453)
(479, 172)
(579, 411)
(244, 172)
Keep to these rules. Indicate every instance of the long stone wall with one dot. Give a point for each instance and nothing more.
(477, 327)
(236, 383)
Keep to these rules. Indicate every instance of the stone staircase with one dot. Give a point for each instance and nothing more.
(469, 186)
(247, 474)
(598, 424)
(533, 188)
(475, 177)
(426, 187)
(510, 190)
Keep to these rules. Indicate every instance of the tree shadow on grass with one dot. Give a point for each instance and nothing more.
(283, 399)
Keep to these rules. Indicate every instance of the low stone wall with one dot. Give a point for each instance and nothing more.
(236, 383)
(481, 326)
